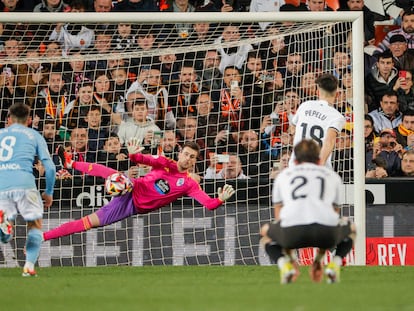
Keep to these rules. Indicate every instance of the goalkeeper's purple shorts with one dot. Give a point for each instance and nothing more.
(118, 208)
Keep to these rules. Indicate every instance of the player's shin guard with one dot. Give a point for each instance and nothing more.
(274, 251)
(68, 228)
(33, 243)
(344, 247)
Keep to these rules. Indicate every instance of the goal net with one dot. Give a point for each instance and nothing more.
(230, 86)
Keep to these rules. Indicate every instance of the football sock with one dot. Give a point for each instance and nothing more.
(68, 228)
(281, 261)
(93, 169)
(274, 251)
(33, 242)
(319, 256)
(344, 247)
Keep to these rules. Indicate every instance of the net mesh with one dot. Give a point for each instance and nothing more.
(83, 82)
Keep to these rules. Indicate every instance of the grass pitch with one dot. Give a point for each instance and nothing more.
(199, 288)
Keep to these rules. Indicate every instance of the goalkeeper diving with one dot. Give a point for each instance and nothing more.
(167, 181)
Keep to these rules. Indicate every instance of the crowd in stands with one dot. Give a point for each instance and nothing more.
(234, 100)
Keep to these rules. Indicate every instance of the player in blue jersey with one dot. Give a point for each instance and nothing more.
(19, 145)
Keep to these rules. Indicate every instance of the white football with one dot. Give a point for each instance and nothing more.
(117, 184)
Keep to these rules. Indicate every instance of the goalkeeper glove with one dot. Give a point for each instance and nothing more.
(225, 193)
(134, 146)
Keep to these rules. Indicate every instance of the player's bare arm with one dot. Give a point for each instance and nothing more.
(328, 145)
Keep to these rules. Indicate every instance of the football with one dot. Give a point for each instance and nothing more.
(117, 184)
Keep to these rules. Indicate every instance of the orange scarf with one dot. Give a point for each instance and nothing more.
(231, 108)
(403, 131)
(53, 110)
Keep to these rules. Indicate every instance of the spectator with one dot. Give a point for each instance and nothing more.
(307, 88)
(369, 133)
(73, 36)
(52, 6)
(234, 56)
(294, 70)
(347, 87)
(210, 75)
(51, 101)
(31, 75)
(274, 51)
(407, 30)
(17, 5)
(113, 155)
(403, 86)
(97, 134)
(136, 6)
(234, 107)
(123, 38)
(341, 62)
(140, 125)
(103, 94)
(12, 48)
(121, 84)
(407, 164)
(9, 92)
(387, 115)
(265, 6)
(79, 143)
(149, 84)
(169, 68)
(76, 72)
(381, 79)
(146, 41)
(53, 51)
(207, 119)
(77, 109)
(183, 94)
(389, 150)
(403, 58)
(377, 168)
(255, 162)
(369, 19)
(232, 169)
(101, 46)
(283, 163)
(187, 131)
(51, 136)
(343, 156)
(102, 6)
(405, 130)
(169, 145)
(183, 30)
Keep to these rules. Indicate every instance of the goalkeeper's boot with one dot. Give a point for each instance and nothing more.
(29, 273)
(287, 273)
(65, 157)
(5, 227)
(333, 272)
(316, 272)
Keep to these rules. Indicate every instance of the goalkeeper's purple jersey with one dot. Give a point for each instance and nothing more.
(165, 184)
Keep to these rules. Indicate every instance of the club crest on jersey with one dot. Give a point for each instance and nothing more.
(180, 182)
(162, 186)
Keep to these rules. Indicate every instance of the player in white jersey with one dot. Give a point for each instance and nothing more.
(318, 120)
(305, 198)
(19, 145)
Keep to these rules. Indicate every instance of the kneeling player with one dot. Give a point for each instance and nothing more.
(305, 199)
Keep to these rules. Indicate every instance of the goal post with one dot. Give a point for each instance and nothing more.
(185, 233)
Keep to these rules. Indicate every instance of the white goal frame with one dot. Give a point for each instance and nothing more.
(356, 18)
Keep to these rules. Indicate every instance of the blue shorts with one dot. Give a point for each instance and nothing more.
(118, 208)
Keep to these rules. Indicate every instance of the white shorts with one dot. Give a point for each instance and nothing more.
(27, 202)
